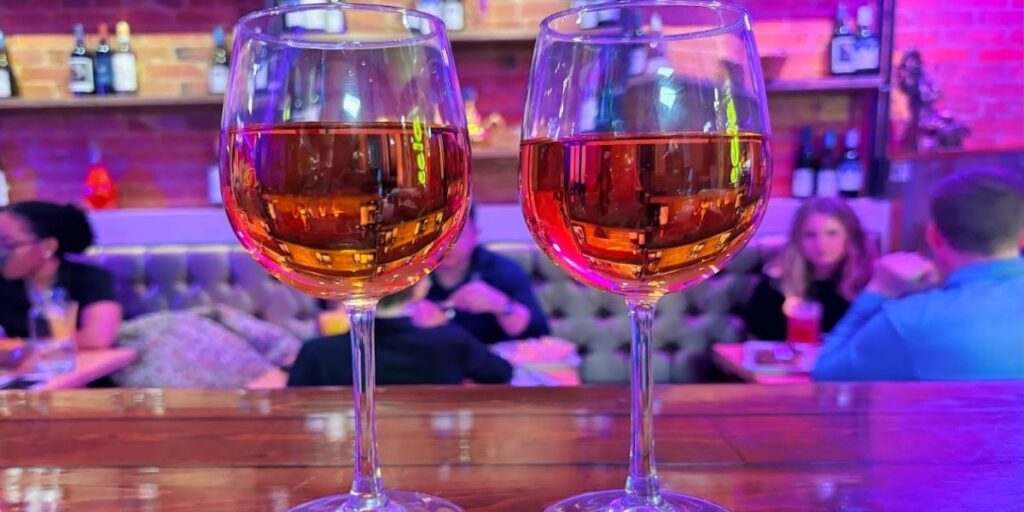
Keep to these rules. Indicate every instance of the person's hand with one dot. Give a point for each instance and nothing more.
(426, 314)
(903, 273)
(478, 297)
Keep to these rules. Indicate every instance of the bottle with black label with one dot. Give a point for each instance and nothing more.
(81, 64)
(868, 48)
(104, 62)
(126, 78)
(828, 174)
(804, 174)
(218, 74)
(8, 86)
(843, 46)
(851, 172)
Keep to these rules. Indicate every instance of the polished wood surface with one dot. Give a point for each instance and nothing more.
(91, 365)
(729, 357)
(850, 447)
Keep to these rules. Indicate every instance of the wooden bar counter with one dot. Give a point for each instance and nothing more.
(850, 447)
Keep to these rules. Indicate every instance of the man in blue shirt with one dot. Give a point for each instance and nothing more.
(971, 327)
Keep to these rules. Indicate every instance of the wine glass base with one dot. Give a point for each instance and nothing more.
(619, 501)
(398, 501)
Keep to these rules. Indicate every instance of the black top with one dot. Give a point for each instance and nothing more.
(763, 314)
(506, 276)
(85, 284)
(405, 355)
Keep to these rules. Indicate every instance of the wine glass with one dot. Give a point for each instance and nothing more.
(644, 167)
(345, 173)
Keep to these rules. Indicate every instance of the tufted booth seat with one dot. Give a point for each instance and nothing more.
(175, 277)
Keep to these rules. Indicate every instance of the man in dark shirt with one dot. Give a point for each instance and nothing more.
(406, 354)
(485, 293)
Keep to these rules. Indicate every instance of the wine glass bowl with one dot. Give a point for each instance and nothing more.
(345, 173)
(645, 166)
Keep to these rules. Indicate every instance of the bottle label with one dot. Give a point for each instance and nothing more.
(82, 75)
(803, 182)
(335, 23)
(5, 83)
(454, 15)
(868, 52)
(843, 55)
(125, 79)
(828, 183)
(850, 177)
(218, 79)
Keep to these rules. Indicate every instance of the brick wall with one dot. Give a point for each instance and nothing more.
(160, 156)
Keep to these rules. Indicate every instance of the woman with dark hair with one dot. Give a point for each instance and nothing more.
(35, 239)
(827, 259)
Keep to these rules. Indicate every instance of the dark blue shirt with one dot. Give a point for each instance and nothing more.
(405, 355)
(506, 276)
(972, 328)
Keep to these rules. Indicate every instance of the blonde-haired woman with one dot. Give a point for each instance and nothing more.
(827, 259)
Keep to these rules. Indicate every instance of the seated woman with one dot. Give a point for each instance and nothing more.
(406, 354)
(827, 259)
(35, 238)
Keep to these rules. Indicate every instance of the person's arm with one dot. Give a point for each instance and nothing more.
(864, 346)
(99, 324)
(486, 367)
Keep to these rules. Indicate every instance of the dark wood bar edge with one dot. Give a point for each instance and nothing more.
(889, 447)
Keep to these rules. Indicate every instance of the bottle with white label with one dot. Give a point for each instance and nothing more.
(81, 64)
(806, 165)
(335, 20)
(828, 175)
(851, 172)
(843, 46)
(587, 20)
(218, 74)
(5, 187)
(434, 7)
(454, 15)
(126, 79)
(868, 49)
(7, 86)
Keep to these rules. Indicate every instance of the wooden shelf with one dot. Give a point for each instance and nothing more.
(100, 102)
(494, 36)
(830, 84)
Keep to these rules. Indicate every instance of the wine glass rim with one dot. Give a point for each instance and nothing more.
(243, 26)
(742, 19)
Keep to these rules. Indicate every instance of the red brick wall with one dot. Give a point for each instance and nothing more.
(160, 156)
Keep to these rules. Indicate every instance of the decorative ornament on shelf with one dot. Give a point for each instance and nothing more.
(480, 129)
(929, 128)
(100, 189)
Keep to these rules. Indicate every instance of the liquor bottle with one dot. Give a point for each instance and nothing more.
(100, 190)
(842, 48)
(851, 173)
(5, 187)
(314, 20)
(828, 174)
(806, 165)
(587, 20)
(104, 62)
(8, 86)
(294, 19)
(868, 49)
(81, 64)
(126, 78)
(218, 73)
(454, 15)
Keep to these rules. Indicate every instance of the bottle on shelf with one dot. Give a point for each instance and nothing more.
(454, 15)
(868, 49)
(804, 174)
(8, 85)
(100, 189)
(828, 175)
(104, 67)
(334, 23)
(842, 47)
(5, 187)
(434, 7)
(851, 172)
(314, 20)
(82, 65)
(126, 78)
(589, 19)
(219, 70)
(213, 192)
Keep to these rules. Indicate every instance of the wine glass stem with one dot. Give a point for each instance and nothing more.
(367, 485)
(642, 482)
